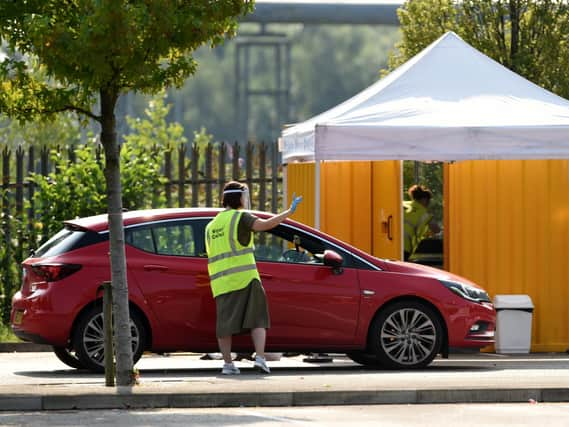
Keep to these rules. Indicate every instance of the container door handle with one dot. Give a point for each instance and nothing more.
(390, 227)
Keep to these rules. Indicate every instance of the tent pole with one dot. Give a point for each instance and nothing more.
(317, 194)
(401, 226)
(285, 187)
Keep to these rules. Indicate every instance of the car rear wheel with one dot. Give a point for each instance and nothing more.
(406, 335)
(68, 356)
(89, 339)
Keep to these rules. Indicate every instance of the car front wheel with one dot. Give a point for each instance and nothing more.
(89, 339)
(366, 359)
(406, 335)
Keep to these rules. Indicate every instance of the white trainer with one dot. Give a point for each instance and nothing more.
(261, 365)
(230, 369)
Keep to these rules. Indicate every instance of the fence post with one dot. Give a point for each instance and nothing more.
(262, 176)
(108, 333)
(249, 167)
(195, 178)
(221, 171)
(181, 175)
(208, 173)
(274, 180)
(71, 155)
(44, 170)
(168, 175)
(236, 169)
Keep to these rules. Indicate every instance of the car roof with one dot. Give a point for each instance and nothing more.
(99, 223)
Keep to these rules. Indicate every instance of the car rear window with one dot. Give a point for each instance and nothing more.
(68, 239)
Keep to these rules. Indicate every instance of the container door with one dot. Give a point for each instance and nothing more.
(300, 180)
(346, 200)
(387, 211)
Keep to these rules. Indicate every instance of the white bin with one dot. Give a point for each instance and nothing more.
(513, 323)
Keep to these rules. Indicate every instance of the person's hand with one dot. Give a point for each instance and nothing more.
(295, 202)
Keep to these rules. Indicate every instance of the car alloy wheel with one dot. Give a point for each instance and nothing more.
(406, 335)
(89, 339)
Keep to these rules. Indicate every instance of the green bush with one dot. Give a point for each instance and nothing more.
(6, 334)
(9, 273)
(72, 190)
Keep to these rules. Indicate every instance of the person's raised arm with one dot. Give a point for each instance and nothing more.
(267, 224)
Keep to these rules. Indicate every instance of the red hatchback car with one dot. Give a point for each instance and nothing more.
(324, 295)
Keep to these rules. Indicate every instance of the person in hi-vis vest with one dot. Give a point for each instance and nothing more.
(417, 219)
(241, 303)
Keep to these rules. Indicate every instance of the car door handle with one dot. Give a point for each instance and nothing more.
(266, 276)
(155, 267)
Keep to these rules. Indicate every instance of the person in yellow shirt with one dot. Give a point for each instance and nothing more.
(241, 303)
(418, 221)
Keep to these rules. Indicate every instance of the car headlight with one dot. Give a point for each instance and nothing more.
(466, 291)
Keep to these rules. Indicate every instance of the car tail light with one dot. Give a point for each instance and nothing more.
(54, 272)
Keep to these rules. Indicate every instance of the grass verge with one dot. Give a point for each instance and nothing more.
(6, 334)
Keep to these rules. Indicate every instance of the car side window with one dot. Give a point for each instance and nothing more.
(140, 238)
(177, 238)
(283, 244)
(271, 247)
(289, 245)
(174, 239)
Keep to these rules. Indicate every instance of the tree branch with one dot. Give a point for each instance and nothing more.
(77, 110)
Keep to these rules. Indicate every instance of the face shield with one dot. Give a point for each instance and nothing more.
(245, 199)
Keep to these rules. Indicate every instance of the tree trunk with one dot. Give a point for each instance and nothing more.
(121, 314)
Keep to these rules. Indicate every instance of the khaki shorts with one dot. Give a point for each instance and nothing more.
(240, 311)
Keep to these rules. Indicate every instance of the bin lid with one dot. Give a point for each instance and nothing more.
(512, 302)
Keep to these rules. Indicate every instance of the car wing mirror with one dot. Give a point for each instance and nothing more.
(333, 259)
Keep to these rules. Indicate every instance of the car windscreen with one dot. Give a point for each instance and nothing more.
(68, 239)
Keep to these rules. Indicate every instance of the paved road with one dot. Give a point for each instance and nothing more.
(464, 415)
(36, 381)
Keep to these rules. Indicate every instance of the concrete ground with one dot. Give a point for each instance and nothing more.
(39, 381)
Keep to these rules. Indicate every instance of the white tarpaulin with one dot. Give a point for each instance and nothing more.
(449, 102)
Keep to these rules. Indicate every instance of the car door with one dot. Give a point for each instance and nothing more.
(310, 304)
(169, 263)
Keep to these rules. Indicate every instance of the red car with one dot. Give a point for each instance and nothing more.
(324, 295)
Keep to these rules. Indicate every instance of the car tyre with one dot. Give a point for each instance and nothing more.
(366, 359)
(406, 335)
(88, 339)
(68, 356)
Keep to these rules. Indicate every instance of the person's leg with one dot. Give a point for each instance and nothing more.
(225, 348)
(259, 336)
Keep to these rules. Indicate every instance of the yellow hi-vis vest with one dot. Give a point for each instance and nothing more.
(416, 224)
(231, 266)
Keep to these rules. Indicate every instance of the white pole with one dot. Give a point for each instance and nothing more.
(317, 194)
(401, 223)
(285, 187)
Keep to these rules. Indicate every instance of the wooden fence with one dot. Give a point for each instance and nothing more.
(194, 176)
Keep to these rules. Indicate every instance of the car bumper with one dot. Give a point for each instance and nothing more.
(472, 326)
(31, 320)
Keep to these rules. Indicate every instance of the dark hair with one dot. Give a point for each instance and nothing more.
(419, 192)
(233, 200)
